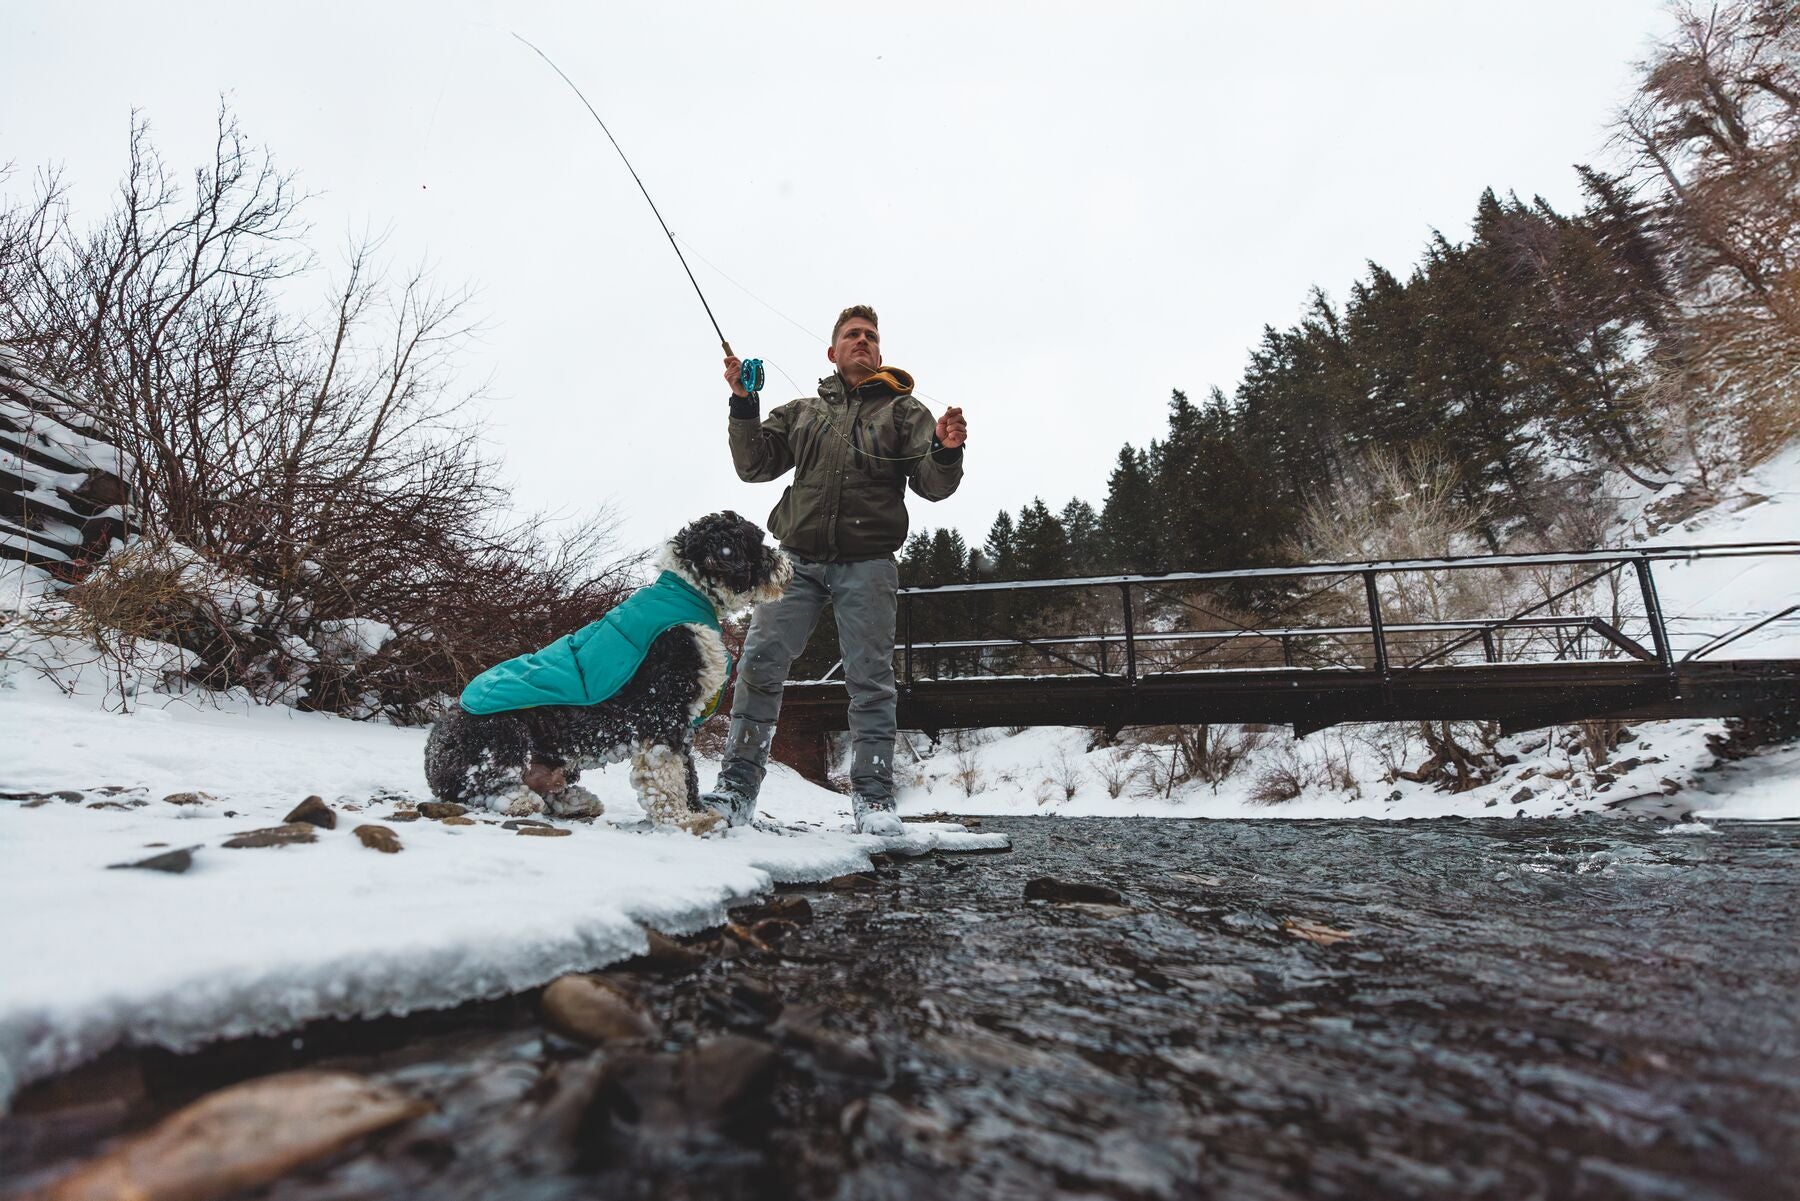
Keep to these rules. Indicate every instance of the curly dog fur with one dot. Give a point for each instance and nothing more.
(527, 760)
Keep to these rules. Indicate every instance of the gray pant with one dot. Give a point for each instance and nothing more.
(862, 596)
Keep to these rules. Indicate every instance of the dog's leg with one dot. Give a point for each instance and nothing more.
(663, 778)
(478, 760)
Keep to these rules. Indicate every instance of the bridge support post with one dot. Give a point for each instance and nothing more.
(1130, 642)
(1659, 634)
(1375, 626)
(906, 607)
(801, 745)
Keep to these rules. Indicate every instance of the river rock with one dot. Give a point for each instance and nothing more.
(592, 1010)
(789, 908)
(459, 821)
(378, 838)
(853, 882)
(830, 1051)
(188, 798)
(38, 798)
(1314, 931)
(169, 861)
(724, 1083)
(239, 1138)
(664, 954)
(313, 811)
(772, 930)
(546, 831)
(275, 836)
(519, 823)
(438, 810)
(1065, 892)
(403, 815)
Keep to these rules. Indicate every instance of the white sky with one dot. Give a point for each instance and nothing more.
(1061, 211)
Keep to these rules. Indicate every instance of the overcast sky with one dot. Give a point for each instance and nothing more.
(1061, 211)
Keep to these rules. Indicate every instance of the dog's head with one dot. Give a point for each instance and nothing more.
(724, 556)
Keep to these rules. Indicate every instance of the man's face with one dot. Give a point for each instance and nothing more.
(856, 351)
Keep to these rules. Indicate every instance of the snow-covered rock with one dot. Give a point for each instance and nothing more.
(64, 500)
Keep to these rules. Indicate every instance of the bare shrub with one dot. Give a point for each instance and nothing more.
(1337, 765)
(1066, 772)
(1214, 753)
(967, 773)
(325, 457)
(1391, 743)
(1159, 770)
(1285, 779)
(1117, 768)
(1461, 754)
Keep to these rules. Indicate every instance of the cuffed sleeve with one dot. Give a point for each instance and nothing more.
(938, 471)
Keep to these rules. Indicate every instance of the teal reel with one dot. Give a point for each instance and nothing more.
(750, 375)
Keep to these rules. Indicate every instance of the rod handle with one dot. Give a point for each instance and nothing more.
(727, 347)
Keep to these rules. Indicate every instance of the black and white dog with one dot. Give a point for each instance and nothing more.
(527, 760)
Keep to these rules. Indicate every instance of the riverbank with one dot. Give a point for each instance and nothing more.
(1274, 1009)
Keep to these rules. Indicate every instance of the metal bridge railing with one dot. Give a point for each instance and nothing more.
(1632, 624)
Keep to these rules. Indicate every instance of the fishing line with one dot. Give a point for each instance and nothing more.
(751, 369)
(641, 188)
(815, 337)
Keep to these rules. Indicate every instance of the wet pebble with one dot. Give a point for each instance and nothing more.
(293, 834)
(378, 838)
(596, 1011)
(169, 861)
(1048, 888)
(314, 811)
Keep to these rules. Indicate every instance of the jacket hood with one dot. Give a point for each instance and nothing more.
(894, 379)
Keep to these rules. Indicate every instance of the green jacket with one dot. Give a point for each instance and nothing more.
(597, 660)
(843, 504)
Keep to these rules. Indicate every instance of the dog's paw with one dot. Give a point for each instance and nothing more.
(520, 802)
(575, 801)
(699, 824)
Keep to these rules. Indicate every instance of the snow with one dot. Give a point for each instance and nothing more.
(1053, 772)
(261, 940)
(1708, 597)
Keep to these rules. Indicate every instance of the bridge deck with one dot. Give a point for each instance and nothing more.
(1519, 695)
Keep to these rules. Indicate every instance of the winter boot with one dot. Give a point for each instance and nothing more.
(730, 802)
(876, 816)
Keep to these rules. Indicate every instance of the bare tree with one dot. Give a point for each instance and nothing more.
(1715, 127)
(327, 458)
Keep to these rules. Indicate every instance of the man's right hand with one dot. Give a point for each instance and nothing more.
(734, 375)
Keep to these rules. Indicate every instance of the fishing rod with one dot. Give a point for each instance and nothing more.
(750, 371)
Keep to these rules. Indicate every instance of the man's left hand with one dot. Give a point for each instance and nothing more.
(952, 430)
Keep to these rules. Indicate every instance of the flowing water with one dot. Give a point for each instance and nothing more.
(1273, 1009)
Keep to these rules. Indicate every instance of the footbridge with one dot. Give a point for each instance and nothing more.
(1526, 640)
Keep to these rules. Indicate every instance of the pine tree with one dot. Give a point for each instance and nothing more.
(1129, 520)
(1041, 543)
(1082, 525)
(914, 561)
(1001, 550)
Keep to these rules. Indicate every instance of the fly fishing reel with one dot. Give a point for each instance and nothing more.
(750, 375)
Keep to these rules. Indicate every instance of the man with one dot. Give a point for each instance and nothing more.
(854, 449)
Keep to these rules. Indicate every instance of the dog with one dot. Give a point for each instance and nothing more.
(513, 745)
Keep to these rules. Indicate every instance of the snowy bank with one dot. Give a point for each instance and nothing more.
(260, 940)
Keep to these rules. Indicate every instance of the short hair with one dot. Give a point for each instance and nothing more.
(854, 311)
